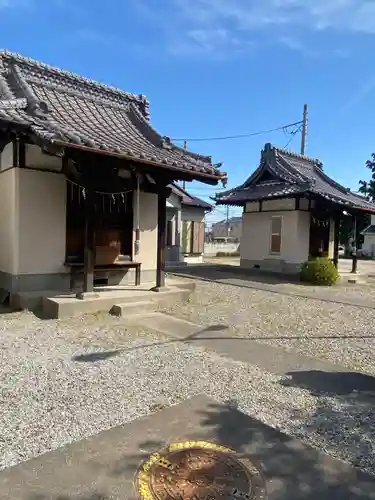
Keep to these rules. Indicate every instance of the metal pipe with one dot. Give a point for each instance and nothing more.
(354, 249)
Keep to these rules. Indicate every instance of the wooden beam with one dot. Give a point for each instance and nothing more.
(89, 243)
(160, 257)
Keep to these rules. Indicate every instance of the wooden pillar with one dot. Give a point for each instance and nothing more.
(160, 257)
(336, 240)
(89, 248)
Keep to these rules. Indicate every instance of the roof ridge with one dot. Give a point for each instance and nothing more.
(165, 142)
(298, 155)
(140, 98)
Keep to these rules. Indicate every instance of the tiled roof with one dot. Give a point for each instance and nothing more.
(282, 173)
(60, 107)
(231, 220)
(188, 199)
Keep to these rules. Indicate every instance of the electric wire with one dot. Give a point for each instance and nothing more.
(239, 136)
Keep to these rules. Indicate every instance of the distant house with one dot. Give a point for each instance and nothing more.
(227, 229)
(368, 246)
(185, 227)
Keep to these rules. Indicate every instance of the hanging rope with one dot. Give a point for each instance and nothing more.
(119, 193)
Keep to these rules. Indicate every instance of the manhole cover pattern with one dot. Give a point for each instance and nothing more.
(199, 470)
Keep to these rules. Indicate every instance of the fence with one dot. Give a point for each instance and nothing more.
(214, 248)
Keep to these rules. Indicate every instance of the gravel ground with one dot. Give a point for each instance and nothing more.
(338, 332)
(51, 396)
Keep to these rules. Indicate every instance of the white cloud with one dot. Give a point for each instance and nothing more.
(354, 15)
(228, 26)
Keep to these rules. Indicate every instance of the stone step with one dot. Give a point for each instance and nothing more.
(132, 308)
(67, 305)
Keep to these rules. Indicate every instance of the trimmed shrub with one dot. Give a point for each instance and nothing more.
(227, 254)
(320, 271)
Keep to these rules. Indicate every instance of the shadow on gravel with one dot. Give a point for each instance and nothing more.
(331, 383)
(92, 357)
(297, 471)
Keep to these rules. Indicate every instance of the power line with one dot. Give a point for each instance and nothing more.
(293, 134)
(240, 136)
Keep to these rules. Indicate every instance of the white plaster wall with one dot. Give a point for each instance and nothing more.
(303, 236)
(6, 157)
(8, 220)
(192, 214)
(174, 201)
(171, 217)
(148, 224)
(369, 244)
(41, 222)
(256, 236)
(36, 158)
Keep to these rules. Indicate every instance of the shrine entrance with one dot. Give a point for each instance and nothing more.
(112, 225)
(319, 234)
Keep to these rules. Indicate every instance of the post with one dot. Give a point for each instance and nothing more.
(227, 221)
(336, 240)
(354, 249)
(185, 148)
(160, 257)
(89, 242)
(304, 129)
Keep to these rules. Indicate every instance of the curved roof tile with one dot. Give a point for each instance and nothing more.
(291, 174)
(59, 106)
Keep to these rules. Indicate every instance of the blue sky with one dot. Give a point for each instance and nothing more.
(222, 67)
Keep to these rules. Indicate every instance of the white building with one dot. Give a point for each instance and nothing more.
(368, 246)
(292, 211)
(231, 228)
(185, 227)
(83, 182)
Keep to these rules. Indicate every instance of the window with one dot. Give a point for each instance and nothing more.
(275, 234)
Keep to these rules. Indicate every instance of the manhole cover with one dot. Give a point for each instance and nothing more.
(199, 470)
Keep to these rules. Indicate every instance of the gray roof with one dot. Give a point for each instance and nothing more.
(282, 173)
(369, 229)
(189, 200)
(231, 220)
(65, 109)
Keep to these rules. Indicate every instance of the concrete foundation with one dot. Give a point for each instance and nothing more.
(65, 304)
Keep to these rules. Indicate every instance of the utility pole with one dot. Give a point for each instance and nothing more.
(228, 221)
(185, 148)
(304, 129)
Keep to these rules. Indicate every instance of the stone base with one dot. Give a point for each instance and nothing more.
(14, 284)
(272, 265)
(87, 295)
(159, 289)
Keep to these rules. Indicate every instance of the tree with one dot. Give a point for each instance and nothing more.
(368, 188)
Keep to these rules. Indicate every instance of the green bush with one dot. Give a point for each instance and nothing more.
(320, 271)
(227, 254)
